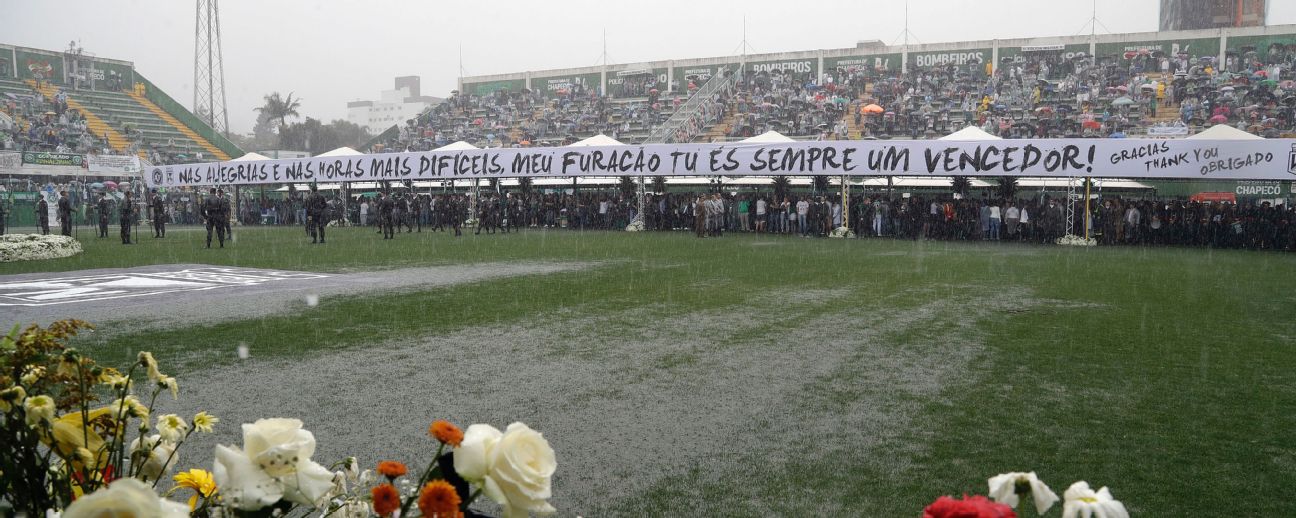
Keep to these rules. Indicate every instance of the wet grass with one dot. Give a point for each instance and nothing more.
(1167, 374)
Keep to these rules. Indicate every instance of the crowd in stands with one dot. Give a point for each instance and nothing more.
(33, 122)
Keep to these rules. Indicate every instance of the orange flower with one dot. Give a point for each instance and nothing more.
(446, 433)
(386, 499)
(391, 468)
(439, 500)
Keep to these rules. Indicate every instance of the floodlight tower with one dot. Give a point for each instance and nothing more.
(209, 67)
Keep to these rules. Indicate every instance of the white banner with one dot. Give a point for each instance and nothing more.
(114, 164)
(1269, 159)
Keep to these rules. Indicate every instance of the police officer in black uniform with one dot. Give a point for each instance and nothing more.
(226, 207)
(386, 218)
(316, 214)
(127, 214)
(211, 212)
(65, 213)
(42, 215)
(104, 208)
(158, 206)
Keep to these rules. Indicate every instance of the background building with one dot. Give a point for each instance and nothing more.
(1177, 15)
(393, 106)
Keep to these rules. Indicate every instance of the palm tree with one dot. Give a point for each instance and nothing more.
(659, 184)
(524, 184)
(781, 186)
(1007, 187)
(961, 185)
(278, 108)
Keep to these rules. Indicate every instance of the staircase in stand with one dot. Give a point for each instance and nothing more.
(184, 130)
(719, 83)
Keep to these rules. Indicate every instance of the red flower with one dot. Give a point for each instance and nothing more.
(386, 499)
(391, 469)
(969, 507)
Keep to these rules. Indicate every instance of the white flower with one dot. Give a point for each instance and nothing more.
(1003, 488)
(153, 453)
(274, 463)
(513, 468)
(352, 468)
(1083, 502)
(150, 364)
(38, 408)
(842, 232)
(125, 497)
(172, 427)
(27, 247)
(130, 406)
(31, 375)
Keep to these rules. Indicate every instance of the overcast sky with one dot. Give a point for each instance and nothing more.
(333, 51)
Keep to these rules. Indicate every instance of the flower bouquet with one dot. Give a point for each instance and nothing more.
(1074, 240)
(841, 232)
(635, 226)
(31, 247)
(1008, 489)
(67, 454)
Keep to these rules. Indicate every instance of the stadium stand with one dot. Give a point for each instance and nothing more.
(120, 112)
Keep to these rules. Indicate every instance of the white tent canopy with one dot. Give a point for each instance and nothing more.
(970, 133)
(597, 140)
(768, 136)
(250, 157)
(342, 151)
(456, 146)
(1224, 132)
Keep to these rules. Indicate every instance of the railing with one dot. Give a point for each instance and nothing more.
(719, 83)
(186, 117)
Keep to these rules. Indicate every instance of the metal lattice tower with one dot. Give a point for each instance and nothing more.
(209, 67)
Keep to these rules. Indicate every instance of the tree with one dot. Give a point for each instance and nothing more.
(820, 184)
(627, 186)
(961, 185)
(279, 108)
(781, 186)
(524, 184)
(1008, 187)
(316, 137)
(659, 184)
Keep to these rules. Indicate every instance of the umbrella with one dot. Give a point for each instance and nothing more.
(1123, 88)
(1226, 89)
(871, 108)
(1218, 119)
(1091, 125)
(1147, 86)
(1118, 134)
(1122, 101)
(1044, 109)
(96, 185)
(110, 185)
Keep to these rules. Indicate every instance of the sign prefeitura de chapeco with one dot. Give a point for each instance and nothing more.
(1270, 159)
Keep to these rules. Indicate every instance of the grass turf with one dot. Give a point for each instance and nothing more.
(1166, 374)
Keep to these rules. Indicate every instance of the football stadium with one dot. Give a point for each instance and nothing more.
(1039, 276)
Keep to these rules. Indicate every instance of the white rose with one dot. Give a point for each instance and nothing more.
(274, 463)
(513, 468)
(125, 497)
(470, 458)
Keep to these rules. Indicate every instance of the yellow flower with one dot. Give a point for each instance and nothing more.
(39, 408)
(11, 397)
(199, 480)
(114, 378)
(203, 422)
(171, 427)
